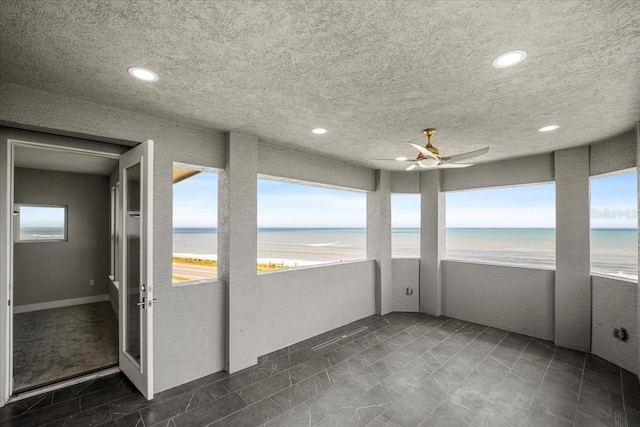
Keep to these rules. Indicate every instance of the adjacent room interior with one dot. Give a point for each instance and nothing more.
(64, 315)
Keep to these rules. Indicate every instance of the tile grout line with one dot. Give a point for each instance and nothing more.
(366, 391)
(378, 383)
(575, 413)
(489, 355)
(624, 403)
(467, 376)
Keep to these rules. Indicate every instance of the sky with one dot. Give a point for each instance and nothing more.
(195, 201)
(614, 201)
(282, 204)
(38, 216)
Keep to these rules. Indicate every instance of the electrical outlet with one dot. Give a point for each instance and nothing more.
(92, 282)
(409, 291)
(620, 333)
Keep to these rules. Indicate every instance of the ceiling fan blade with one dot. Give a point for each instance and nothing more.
(412, 167)
(465, 156)
(422, 150)
(453, 165)
(396, 160)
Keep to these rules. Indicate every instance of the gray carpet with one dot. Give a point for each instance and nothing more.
(56, 344)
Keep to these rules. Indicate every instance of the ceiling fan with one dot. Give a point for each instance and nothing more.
(429, 156)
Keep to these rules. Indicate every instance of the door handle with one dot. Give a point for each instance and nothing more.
(142, 303)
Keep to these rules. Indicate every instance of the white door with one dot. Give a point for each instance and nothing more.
(136, 274)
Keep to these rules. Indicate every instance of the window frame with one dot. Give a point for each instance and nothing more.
(17, 208)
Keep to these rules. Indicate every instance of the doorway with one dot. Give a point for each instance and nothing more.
(67, 316)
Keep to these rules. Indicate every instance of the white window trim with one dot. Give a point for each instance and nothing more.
(16, 213)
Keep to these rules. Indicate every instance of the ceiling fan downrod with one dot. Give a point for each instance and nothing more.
(429, 132)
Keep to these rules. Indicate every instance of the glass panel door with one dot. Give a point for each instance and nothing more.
(133, 295)
(136, 262)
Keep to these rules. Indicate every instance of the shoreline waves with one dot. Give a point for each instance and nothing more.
(613, 251)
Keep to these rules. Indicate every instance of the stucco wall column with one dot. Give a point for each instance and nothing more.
(237, 243)
(379, 240)
(432, 242)
(573, 271)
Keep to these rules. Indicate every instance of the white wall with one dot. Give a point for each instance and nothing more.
(614, 304)
(300, 303)
(512, 298)
(406, 274)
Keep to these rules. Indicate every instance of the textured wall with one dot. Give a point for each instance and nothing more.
(525, 170)
(189, 317)
(237, 243)
(84, 256)
(300, 303)
(614, 154)
(302, 166)
(615, 304)
(432, 242)
(573, 258)
(379, 240)
(406, 274)
(511, 298)
(405, 182)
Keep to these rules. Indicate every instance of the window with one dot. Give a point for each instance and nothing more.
(37, 223)
(195, 223)
(405, 225)
(509, 226)
(614, 225)
(301, 225)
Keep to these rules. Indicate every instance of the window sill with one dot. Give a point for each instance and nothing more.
(496, 264)
(115, 283)
(629, 280)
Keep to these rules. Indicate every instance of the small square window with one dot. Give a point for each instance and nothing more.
(37, 223)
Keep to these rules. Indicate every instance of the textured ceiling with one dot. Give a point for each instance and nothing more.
(373, 73)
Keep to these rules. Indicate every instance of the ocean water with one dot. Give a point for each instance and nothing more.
(613, 251)
(41, 233)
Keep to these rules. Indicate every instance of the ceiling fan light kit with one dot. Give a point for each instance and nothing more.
(429, 156)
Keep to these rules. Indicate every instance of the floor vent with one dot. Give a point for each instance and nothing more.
(621, 419)
(338, 338)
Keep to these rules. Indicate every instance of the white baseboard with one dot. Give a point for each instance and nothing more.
(57, 304)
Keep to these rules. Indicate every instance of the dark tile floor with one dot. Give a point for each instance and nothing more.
(403, 370)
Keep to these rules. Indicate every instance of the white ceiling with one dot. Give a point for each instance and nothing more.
(63, 161)
(373, 73)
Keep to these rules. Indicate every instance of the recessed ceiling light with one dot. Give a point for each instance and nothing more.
(143, 74)
(401, 159)
(319, 131)
(548, 128)
(509, 59)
